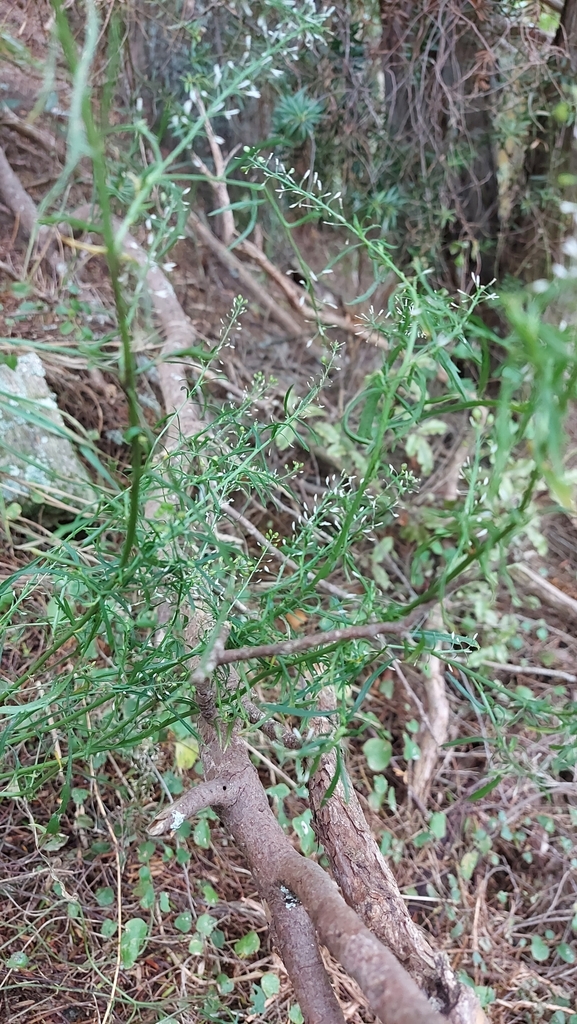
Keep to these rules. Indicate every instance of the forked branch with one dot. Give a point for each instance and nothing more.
(279, 870)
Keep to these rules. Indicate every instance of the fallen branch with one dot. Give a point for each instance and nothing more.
(531, 670)
(370, 887)
(548, 593)
(293, 328)
(434, 720)
(24, 209)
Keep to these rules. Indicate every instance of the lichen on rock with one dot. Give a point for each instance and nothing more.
(38, 462)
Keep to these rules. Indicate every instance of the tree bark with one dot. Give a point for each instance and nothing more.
(370, 887)
(566, 35)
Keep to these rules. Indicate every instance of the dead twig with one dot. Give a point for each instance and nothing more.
(435, 719)
(51, 143)
(237, 517)
(217, 180)
(295, 296)
(533, 670)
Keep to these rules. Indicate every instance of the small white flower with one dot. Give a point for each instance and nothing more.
(187, 107)
(176, 820)
(570, 247)
(231, 113)
(217, 71)
(139, 104)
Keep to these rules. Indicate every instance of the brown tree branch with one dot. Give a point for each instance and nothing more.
(276, 865)
(293, 328)
(435, 718)
(219, 792)
(226, 764)
(24, 209)
(269, 727)
(286, 648)
(293, 932)
(370, 887)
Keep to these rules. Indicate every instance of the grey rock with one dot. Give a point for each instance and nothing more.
(38, 465)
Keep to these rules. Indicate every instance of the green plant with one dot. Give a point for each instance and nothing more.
(296, 117)
(113, 675)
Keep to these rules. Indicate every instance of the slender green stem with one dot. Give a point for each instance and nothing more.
(55, 646)
(128, 369)
(478, 551)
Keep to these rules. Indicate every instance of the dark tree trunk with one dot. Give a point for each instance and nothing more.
(436, 67)
(566, 37)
